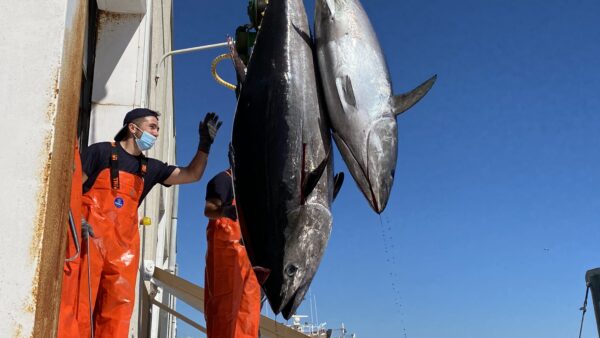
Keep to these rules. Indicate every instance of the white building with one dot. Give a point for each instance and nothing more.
(71, 68)
(74, 68)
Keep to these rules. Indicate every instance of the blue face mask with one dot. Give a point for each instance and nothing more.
(146, 141)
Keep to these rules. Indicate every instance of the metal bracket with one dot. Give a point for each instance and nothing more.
(149, 267)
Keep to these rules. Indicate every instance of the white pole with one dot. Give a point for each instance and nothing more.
(184, 51)
(147, 49)
(316, 313)
(173, 256)
(312, 319)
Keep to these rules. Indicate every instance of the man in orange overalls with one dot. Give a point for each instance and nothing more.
(232, 292)
(116, 178)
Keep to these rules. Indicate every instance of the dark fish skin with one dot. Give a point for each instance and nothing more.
(280, 136)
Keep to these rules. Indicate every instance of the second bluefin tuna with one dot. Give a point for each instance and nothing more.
(358, 92)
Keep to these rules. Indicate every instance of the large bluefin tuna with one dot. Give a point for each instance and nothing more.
(358, 93)
(283, 169)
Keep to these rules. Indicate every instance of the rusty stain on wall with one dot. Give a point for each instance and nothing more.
(112, 18)
(18, 331)
(53, 93)
(35, 247)
(44, 174)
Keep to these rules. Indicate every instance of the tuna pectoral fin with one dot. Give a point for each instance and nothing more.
(403, 102)
(338, 180)
(261, 274)
(345, 90)
(312, 178)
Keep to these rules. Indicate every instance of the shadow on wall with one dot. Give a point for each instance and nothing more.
(116, 33)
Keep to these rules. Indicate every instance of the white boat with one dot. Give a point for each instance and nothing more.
(318, 330)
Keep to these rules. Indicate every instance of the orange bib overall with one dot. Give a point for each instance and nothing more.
(232, 293)
(110, 207)
(67, 321)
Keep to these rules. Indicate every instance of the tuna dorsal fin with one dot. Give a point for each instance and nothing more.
(238, 64)
(345, 90)
(403, 102)
(338, 180)
(312, 178)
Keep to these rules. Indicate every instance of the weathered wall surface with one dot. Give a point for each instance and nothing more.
(41, 53)
(123, 6)
(41, 46)
(117, 75)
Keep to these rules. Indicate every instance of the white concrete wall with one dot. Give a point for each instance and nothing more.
(117, 72)
(123, 6)
(31, 48)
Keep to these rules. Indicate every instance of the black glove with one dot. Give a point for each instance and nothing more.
(208, 131)
(86, 229)
(229, 211)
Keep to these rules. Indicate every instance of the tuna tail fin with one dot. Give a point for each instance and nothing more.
(312, 178)
(403, 102)
(338, 180)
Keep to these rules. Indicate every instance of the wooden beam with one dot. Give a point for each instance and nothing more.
(180, 316)
(186, 291)
(193, 295)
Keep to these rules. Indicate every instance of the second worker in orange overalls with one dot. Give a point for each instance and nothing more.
(232, 292)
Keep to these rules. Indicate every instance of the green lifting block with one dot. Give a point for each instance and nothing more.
(256, 11)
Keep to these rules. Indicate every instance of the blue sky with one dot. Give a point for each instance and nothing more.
(494, 216)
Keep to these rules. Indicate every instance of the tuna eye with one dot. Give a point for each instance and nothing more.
(290, 270)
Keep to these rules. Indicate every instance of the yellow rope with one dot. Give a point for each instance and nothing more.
(213, 71)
